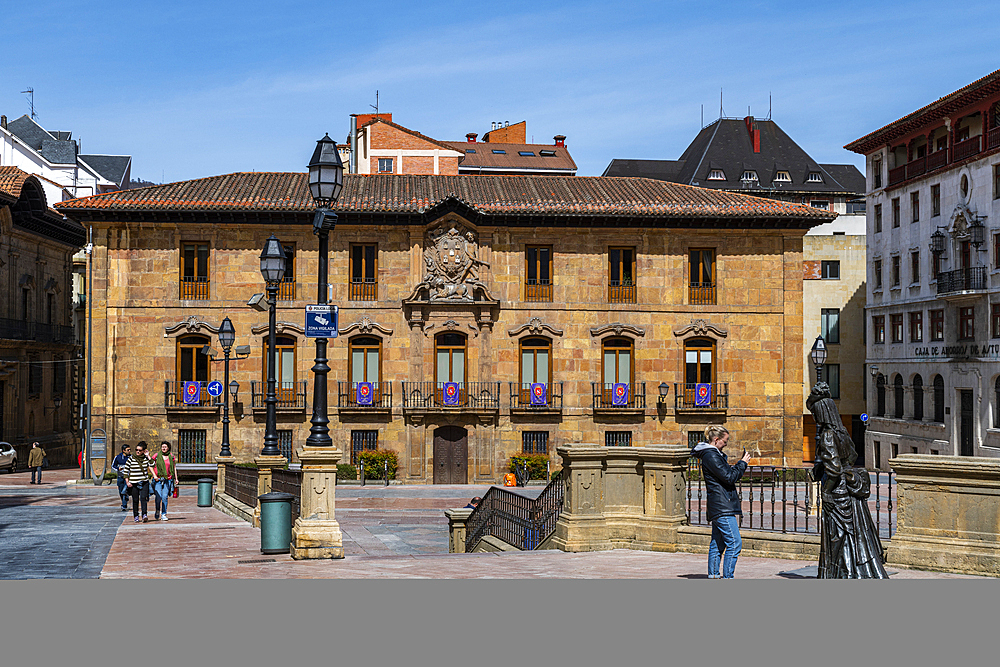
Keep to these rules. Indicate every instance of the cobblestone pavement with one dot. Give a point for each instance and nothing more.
(48, 531)
(399, 532)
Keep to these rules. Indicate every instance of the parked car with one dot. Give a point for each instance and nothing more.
(8, 457)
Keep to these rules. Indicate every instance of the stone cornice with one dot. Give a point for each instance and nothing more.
(702, 328)
(618, 329)
(279, 327)
(535, 326)
(192, 325)
(365, 325)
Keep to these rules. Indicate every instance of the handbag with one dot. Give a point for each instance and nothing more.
(45, 462)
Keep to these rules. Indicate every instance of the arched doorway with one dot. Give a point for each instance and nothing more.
(451, 455)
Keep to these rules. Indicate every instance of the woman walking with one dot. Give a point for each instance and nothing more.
(164, 476)
(724, 503)
(136, 474)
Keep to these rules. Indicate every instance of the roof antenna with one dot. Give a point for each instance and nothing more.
(30, 92)
(769, 106)
(375, 106)
(721, 112)
(703, 115)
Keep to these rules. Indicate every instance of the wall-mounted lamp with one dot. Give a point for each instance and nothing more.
(937, 242)
(56, 404)
(977, 232)
(664, 390)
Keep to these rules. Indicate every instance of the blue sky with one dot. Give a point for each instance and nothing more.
(193, 89)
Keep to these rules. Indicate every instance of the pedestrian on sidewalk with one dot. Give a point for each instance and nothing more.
(164, 477)
(724, 503)
(136, 472)
(116, 465)
(36, 459)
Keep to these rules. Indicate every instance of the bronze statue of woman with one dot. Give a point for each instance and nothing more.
(850, 547)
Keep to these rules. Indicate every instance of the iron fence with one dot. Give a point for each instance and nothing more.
(241, 484)
(173, 395)
(782, 499)
(347, 396)
(289, 481)
(604, 396)
(960, 280)
(537, 290)
(472, 395)
(363, 289)
(517, 520)
(43, 333)
(520, 397)
(194, 287)
(289, 394)
(687, 396)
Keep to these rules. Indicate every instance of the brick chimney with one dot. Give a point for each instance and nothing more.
(3, 122)
(754, 133)
(471, 137)
(560, 140)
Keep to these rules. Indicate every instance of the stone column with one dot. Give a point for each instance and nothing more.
(316, 533)
(220, 479)
(582, 525)
(264, 466)
(664, 491)
(457, 529)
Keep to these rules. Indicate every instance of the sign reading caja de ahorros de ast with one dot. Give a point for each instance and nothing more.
(972, 349)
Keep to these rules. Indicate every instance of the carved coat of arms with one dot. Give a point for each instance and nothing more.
(451, 266)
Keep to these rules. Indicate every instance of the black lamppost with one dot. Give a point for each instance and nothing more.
(326, 180)
(818, 355)
(272, 267)
(227, 336)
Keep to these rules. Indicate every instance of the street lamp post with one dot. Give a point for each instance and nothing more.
(818, 355)
(272, 268)
(326, 180)
(227, 336)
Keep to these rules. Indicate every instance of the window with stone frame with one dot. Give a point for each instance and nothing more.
(995, 320)
(937, 325)
(918, 397)
(701, 288)
(895, 212)
(935, 200)
(967, 323)
(363, 441)
(895, 272)
(538, 273)
(830, 269)
(831, 375)
(621, 275)
(996, 181)
(877, 173)
(877, 273)
(915, 206)
(896, 327)
(34, 376)
(363, 272)
(191, 445)
(915, 267)
(878, 329)
(194, 270)
(385, 165)
(917, 326)
(286, 290)
(830, 325)
(996, 251)
(534, 442)
(58, 375)
(878, 218)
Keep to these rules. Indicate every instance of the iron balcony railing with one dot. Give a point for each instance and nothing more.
(605, 396)
(241, 484)
(470, 395)
(286, 289)
(520, 397)
(538, 290)
(288, 481)
(785, 499)
(692, 397)
(967, 148)
(291, 395)
(347, 396)
(363, 289)
(194, 287)
(621, 292)
(515, 519)
(700, 294)
(962, 280)
(43, 333)
(174, 395)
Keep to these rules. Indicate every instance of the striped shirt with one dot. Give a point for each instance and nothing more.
(135, 470)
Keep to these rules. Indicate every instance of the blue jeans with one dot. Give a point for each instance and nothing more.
(123, 491)
(725, 537)
(163, 488)
(37, 469)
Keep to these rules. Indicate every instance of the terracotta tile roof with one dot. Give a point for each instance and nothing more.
(489, 195)
(511, 158)
(11, 181)
(935, 111)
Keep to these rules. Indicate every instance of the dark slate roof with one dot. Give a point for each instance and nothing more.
(59, 151)
(726, 145)
(522, 199)
(28, 131)
(115, 168)
(511, 159)
(847, 175)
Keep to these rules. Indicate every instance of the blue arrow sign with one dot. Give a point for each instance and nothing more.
(215, 388)
(864, 417)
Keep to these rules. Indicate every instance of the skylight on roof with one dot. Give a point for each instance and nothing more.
(526, 153)
(814, 177)
(716, 175)
(783, 176)
(470, 150)
(547, 153)
(499, 151)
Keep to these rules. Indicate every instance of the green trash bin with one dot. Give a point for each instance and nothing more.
(275, 522)
(205, 492)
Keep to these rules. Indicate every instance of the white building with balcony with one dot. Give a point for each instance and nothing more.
(933, 289)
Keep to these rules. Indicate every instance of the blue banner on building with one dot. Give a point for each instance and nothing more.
(619, 394)
(192, 392)
(539, 394)
(365, 393)
(703, 395)
(451, 394)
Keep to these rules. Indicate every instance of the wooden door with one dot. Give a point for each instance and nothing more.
(451, 455)
(966, 422)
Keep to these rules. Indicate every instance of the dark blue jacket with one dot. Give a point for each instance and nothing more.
(720, 480)
(119, 461)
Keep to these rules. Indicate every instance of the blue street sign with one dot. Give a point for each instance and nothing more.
(192, 392)
(619, 394)
(864, 417)
(538, 394)
(215, 388)
(703, 395)
(321, 321)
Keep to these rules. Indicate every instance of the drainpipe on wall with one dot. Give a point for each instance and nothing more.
(353, 163)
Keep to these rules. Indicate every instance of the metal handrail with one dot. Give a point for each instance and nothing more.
(604, 396)
(471, 395)
(515, 519)
(520, 396)
(289, 394)
(347, 395)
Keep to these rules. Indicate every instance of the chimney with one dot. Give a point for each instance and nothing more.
(754, 133)
(3, 122)
(471, 137)
(560, 140)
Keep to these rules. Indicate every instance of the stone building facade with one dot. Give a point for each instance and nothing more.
(933, 293)
(578, 288)
(38, 348)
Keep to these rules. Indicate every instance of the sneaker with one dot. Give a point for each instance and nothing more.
(137, 519)
(145, 518)
(124, 509)
(163, 517)
(156, 517)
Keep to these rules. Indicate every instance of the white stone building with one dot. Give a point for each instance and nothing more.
(933, 289)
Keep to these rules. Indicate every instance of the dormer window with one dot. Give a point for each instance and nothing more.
(547, 153)
(716, 175)
(814, 177)
(749, 175)
(783, 176)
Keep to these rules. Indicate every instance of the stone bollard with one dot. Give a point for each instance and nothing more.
(457, 529)
(316, 533)
(265, 464)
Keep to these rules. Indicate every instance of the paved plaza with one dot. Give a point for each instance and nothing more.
(55, 530)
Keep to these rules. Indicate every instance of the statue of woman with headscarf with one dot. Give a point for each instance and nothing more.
(850, 547)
